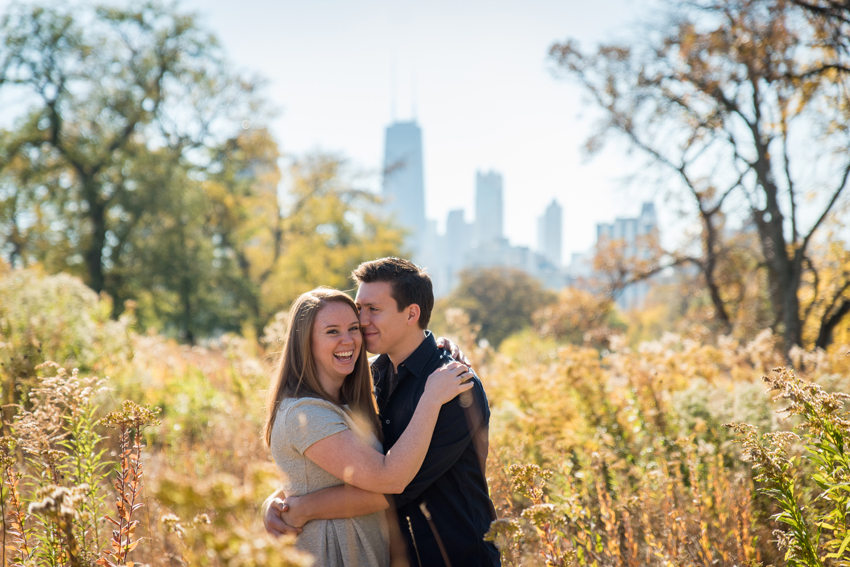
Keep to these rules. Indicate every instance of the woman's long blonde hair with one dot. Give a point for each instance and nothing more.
(296, 375)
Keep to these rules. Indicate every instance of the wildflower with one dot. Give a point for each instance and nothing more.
(59, 501)
(539, 514)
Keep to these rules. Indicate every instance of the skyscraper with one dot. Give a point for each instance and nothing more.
(404, 186)
(634, 235)
(549, 234)
(488, 208)
(458, 243)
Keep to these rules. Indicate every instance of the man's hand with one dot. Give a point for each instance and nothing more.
(454, 350)
(273, 509)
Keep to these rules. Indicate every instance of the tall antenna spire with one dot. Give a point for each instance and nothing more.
(413, 96)
(393, 92)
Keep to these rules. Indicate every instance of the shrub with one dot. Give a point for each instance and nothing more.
(55, 318)
(812, 486)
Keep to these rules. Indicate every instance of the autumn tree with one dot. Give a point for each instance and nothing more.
(276, 246)
(103, 94)
(736, 101)
(140, 163)
(501, 301)
(331, 224)
(832, 19)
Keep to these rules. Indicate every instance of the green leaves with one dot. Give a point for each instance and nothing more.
(125, 113)
(818, 530)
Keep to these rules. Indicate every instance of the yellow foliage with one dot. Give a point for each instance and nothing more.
(612, 456)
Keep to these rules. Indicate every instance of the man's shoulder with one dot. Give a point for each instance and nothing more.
(441, 357)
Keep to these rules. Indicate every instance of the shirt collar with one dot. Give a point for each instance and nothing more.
(416, 362)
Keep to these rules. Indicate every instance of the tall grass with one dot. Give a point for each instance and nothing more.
(621, 458)
(151, 453)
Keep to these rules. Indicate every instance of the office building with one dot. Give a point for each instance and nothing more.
(404, 185)
(634, 235)
(488, 208)
(549, 234)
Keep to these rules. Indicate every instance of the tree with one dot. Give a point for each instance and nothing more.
(275, 249)
(499, 300)
(735, 100)
(135, 165)
(330, 226)
(833, 18)
(109, 92)
(577, 317)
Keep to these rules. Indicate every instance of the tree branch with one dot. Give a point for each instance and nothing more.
(815, 286)
(827, 210)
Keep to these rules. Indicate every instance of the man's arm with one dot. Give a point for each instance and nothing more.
(272, 508)
(343, 501)
(282, 515)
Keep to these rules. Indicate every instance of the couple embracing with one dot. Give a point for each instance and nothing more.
(406, 435)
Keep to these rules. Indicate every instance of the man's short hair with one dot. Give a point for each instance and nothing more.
(409, 283)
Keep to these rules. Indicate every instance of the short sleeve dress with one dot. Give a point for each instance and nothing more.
(349, 542)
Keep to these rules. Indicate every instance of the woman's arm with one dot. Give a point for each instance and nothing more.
(354, 462)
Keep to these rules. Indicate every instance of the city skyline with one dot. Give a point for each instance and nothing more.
(481, 242)
(485, 95)
(481, 81)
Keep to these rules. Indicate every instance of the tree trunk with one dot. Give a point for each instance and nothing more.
(793, 331)
(186, 291)
(94, 254)
(783, 272)
(710, 242)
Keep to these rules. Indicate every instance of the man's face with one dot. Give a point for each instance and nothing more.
(383, 326)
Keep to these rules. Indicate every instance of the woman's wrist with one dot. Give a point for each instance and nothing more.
(431, 402)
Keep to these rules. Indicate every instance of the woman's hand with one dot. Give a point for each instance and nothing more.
(448, 381)
(453, 350)
(273, 509)
(290, 513)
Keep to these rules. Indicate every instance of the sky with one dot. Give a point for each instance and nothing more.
(473, 74)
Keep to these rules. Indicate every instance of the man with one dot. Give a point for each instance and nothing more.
(445, 510)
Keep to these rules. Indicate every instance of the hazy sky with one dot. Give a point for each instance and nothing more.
(485, 96)
(478, 74)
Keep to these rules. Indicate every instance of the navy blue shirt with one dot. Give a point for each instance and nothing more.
(451, 481)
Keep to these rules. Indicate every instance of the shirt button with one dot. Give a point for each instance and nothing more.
(387, 422)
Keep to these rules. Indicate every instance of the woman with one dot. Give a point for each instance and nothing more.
(321, 398)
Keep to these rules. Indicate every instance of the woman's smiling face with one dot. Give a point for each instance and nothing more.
(336, 342)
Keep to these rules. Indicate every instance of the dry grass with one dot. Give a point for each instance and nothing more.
(616, 457)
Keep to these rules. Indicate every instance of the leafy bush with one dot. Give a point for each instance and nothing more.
(812, 486)
(56, 318)
(72, 487)
(578, 317)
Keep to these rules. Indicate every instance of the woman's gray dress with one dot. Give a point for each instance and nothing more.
(349, 542)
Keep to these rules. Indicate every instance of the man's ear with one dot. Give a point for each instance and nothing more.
(413, 313)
